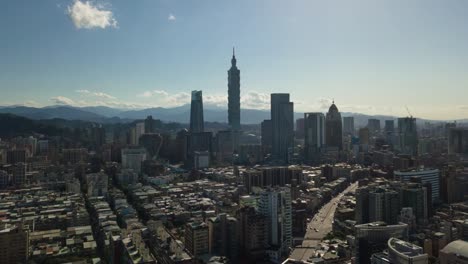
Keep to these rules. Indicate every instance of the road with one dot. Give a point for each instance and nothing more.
(319, 226)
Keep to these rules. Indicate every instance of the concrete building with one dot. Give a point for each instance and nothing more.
(14, 245)
(197, 238)
(74, 156)
(132, 158)
(271, 176)
(374, 126)
(139, 131)
(282, 120)
(407, 136)
(415, 196)
(348, 126)
(97, 184)
(314, 136)
(267, 136)
(196, 113)
(458, 141)
(253, 233)
(201, 159)
(224, 236)
(275, 205)
(402, 252)
(300, 128)
(431, 176)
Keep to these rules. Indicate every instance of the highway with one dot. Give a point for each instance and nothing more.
(319, 226)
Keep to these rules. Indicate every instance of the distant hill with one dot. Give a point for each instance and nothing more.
(180, 114)
(51, 112)
(13, 125)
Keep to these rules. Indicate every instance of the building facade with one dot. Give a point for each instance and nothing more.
(282, 120)
(196, 113)
(333, 128)
(234, 95)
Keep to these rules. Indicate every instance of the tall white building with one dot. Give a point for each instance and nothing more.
(275, 204)
(132, 158)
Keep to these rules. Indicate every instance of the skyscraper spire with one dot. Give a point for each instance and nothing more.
(234, 94)
(233, 60)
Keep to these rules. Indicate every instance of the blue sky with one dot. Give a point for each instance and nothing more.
(371, 56)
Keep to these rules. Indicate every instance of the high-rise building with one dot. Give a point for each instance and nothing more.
(139, 130)
(348, 125)
(14, 244)
(431, 176)
(374, 204)
(253, 231)
(152, 143)
(149, 126)
(300, 128)
(414, 195)
(275, 205)
(282, 120)
(458, 141)
(196, 238)
(267, 136)
(98, 134)
(223, 236)
(364, 136)
(407, 136)
(196, 113)
(97, 184)
(389, 126)
(384, 205)
(454, 184)
(224, 148)
(362, 205)
(234, 94)
(132, 158)
(314, 136)
(374, 126)
(333, 128)
(389, 131)
(16, 155)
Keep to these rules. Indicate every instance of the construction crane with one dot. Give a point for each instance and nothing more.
(409, 113)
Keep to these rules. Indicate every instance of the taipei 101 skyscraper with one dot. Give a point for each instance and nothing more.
(234, 95)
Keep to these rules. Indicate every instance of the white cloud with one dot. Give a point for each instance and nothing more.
(171, 17)
(87, 15)
(164, 99)
(255, 100)
(96, 94)
(62, 100)
(215, 100)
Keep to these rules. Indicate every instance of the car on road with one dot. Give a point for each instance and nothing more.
(316, 230)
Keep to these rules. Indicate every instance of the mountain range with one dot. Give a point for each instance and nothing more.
(180, 114)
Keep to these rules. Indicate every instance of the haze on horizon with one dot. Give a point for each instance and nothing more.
(371, 57)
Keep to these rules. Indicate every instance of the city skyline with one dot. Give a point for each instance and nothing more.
(129, 135)
(385, 65)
